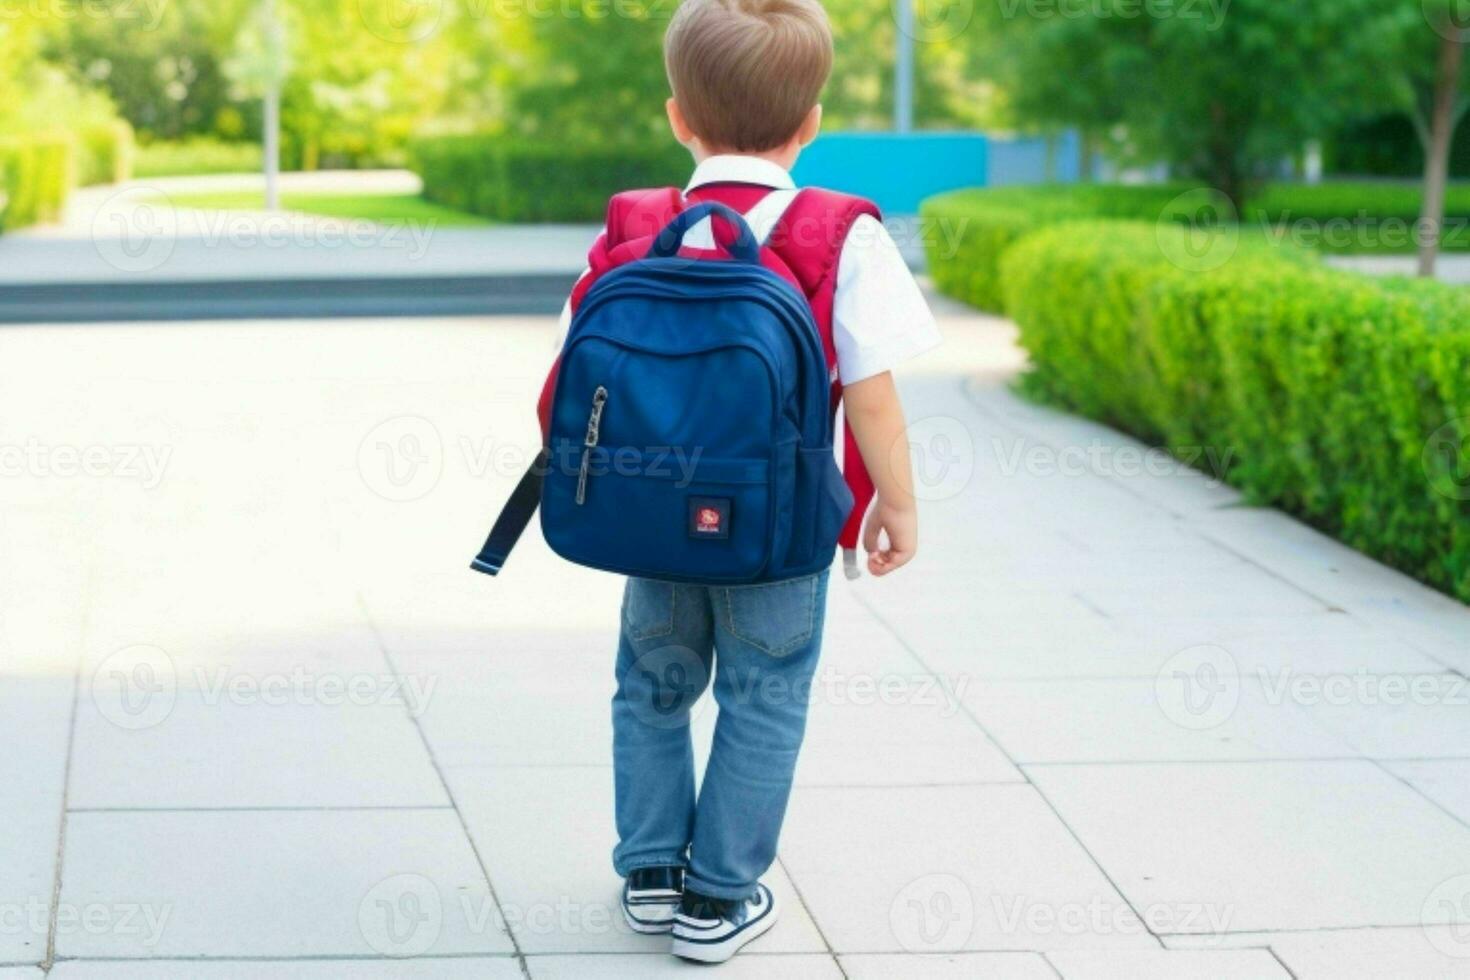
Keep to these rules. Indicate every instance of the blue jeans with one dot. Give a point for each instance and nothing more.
(768, 638)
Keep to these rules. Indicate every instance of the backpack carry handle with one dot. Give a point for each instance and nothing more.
(745, 248)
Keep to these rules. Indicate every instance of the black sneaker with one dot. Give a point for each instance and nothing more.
(711, 930)
(650, 898)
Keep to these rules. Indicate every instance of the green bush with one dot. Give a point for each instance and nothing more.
(199, 155)
(968, 231)
(39, 175)
(105, 153)
(1351, 199)
(509, 179)
(1341, 398)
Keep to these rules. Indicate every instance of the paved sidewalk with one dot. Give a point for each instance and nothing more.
(135, 233)
(263, 722)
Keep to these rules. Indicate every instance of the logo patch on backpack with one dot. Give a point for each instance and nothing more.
(709, 517)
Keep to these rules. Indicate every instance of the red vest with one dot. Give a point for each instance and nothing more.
(803, 248)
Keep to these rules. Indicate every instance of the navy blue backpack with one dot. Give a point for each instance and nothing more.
(690, 434)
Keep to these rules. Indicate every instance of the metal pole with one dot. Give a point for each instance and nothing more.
(271, 142)
(903, 68)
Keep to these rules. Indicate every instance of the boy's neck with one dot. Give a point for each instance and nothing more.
(783, 157)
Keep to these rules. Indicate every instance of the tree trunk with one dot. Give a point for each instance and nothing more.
(1222, 165)
(1437, 154)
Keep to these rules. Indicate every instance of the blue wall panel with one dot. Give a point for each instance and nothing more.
(900, 170)
(896, 171)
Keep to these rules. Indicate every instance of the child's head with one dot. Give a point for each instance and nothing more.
(746, 73)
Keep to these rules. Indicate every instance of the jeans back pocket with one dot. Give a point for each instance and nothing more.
(779, 618)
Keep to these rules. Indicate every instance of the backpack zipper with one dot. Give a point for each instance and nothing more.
(589, 442)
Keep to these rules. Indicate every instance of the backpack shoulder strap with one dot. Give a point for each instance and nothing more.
(810, 236)
(809, 239)
(641, 213)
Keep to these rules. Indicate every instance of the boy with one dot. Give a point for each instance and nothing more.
(745, 76)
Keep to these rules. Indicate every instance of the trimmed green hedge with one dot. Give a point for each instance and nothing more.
(1341, 398)
(969, 230)
(37, 174)
(197, 155)
(512, 180)
(1344, 199)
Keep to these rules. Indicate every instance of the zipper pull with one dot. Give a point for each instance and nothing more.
(589, 442)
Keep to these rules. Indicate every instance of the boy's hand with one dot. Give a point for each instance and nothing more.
(901, 527)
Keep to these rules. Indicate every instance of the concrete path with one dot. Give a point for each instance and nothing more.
(135, 233)
(263, 722)
(1453, 267)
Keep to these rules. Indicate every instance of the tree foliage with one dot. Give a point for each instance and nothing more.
(1221, 93)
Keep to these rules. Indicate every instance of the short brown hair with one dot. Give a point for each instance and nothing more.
(745, 73)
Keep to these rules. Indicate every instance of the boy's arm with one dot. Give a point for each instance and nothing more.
(876, 416)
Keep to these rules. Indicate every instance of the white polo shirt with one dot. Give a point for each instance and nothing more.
(879, 316)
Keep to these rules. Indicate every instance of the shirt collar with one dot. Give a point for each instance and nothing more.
(731, 168)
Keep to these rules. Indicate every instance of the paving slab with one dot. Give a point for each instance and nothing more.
(1351, 581)
(1446, 782)
(979, 868)
(490, 706)
(749, 965)
(275, 884)
(1427, 953)
(446, 968)
(1389, 716)
(1161, 964)
(260, 748)
(1273, 646)
(1180, 715)
(879, 717)
(1241, 847)
(35, 713)
(955, 966)
(546, 835)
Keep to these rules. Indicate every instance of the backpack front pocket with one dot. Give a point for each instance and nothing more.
(700, 518)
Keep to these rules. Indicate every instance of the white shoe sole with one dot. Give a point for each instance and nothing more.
(714, 941)
(650, 916)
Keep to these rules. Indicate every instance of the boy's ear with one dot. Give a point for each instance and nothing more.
(810, 126)
(681, 129)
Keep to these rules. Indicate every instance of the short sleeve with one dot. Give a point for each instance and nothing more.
(879, 316)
